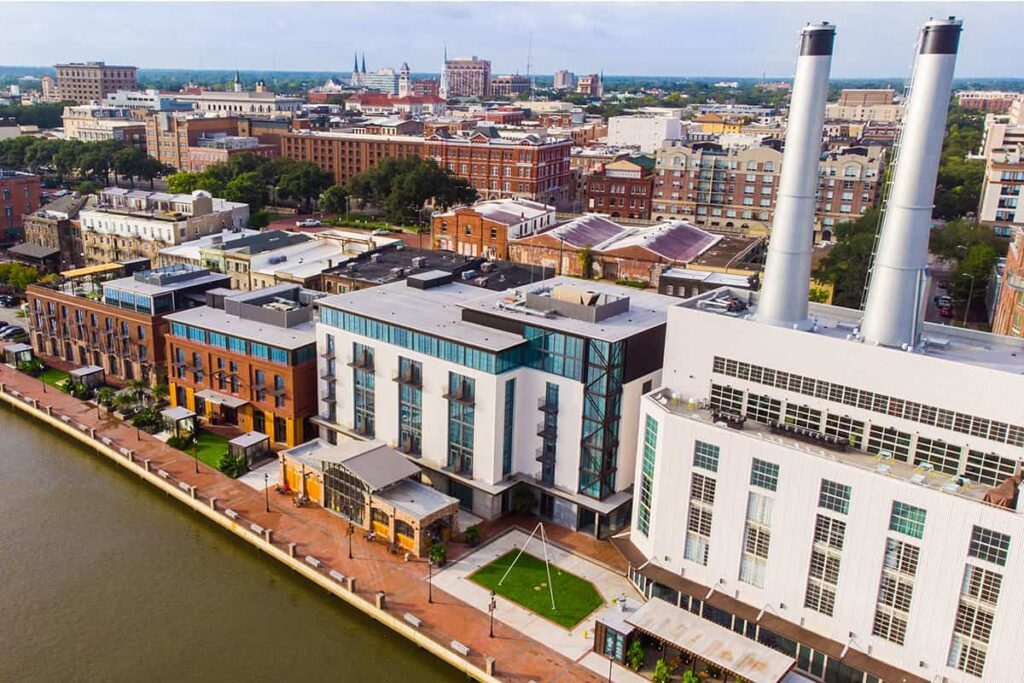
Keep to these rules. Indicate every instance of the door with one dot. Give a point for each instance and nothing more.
(259, 421)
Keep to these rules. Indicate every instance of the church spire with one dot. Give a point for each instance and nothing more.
(364, 63)
(355, 62)
(442, 87)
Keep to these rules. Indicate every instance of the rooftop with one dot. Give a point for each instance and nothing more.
(166, 279)
(955, 344)
(217, 320)
(190, 250)
(507, 211)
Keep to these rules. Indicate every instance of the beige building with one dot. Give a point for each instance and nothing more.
(96, 123)
(1001, 190)
(243, 103)
(734, 190)
(93, 81)
(126, 224)
(468, 77)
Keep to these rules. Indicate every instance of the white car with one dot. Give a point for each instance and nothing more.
(308, 223)
(381, 231)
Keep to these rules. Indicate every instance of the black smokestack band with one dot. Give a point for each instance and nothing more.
(817, 42)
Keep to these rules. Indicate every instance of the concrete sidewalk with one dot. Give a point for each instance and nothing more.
(519, 655)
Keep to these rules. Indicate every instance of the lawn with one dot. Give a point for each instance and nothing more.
(210, 448)
(53, 376)
(527, 585)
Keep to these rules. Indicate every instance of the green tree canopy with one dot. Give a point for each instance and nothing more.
(846, 265)
(404, 186)
(18, 275)
(248, 188)
(303, 181)
(334, 200)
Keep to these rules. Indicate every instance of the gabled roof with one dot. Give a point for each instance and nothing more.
(677, 241)
(590, 230)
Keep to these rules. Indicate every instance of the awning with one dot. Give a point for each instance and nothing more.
(91, 270)
(249, 439)
(710, 642)
(177, 413)
(220, 399)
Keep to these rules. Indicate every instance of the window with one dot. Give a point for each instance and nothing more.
(802, 416)
(756, 540)
(647, 475)
(461, 390)
(698, 525)
(833, 496)
(842, 427)
(509, 427)
(410, 402)
(705, 455)
(895, 591)
(826, 556)
(907, 519)
(889, 442)
(279, 393)
(988, 468)
(363, 390)
(726, 399)
(989, 545)
(975, 615)
(764, 474)
(942, 456)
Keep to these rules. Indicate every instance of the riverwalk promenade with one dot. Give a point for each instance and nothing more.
(315, 543)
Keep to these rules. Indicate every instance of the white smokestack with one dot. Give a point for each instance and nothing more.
(892, 314)
(784, 293)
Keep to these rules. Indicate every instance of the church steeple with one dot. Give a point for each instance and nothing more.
(355, 62)
(238, 81)
(442, 87)
(364, 63)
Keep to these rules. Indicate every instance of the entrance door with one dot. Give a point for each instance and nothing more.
(462, 492)
(259, 421)
(229, 415)
(200, 406)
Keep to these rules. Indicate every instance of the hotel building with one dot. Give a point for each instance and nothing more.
(498, 396)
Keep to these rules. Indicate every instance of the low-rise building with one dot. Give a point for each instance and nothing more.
(191, 252)
(144, 101)
(19, 196)
(994, 101)
(247, 359)
(648, 133)
(531, 390)
(126, 224)
(244, 103)
(123, 330)
(621, 189)
(1009, 308)
(510, 85)
(55, 226)
(96, 123)
(485, 228)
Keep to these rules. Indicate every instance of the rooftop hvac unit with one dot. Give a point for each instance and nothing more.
(419, 261)
(374, 258)
(487, 266)
(280, 258)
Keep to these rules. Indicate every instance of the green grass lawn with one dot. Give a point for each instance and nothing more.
(53, 376)
(210, 448)
(527, 585)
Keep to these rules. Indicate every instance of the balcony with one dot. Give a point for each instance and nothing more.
(545, 456)
(546, 406)
(811, 436)
(362, 361)
(407, 377)
(329, 376)
(329, 398)
(460, 394)
(546, 431)
(1015, 281)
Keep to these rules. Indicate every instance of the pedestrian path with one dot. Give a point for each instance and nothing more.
(254, 479)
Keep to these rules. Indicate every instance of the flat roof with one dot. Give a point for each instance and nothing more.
(91, 270)
(738, 654)
(191, 249)
(707, 276)
(222, 399)
(436, 311)
(249, 439)
(646, 309)
(984, 349)
(415, 499)
(216, 320)
(36, 251)
(131, 284)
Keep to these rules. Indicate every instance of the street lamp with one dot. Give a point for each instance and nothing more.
(611, 660)
(351, 533)
(195, 455)
(490, 609)
(430, 577)
(266, 490)
(970, 295)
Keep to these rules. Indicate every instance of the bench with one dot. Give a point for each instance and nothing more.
(412, 619)
(312, 561)
(231, 513)
(460, 648)
(337, 576)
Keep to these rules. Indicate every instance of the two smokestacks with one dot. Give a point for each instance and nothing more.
(892, 314)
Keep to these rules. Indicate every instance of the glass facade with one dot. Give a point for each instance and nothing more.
(508, 427)
(461, 393)
(243, 347)
(549, 434)
(643, 515)
(602, 408)
(410, 406)
(363, 390)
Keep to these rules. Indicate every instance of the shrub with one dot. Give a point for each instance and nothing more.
(233, 465)
(635, 656)
(524, 500)
(439, 554)
(149, 419)
(661, 672)
(473, 534)
(105, 397)
(32, 367)
(180, 442)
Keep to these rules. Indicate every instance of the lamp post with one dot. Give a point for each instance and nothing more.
(351, 533)
(266, 490)
(970, 295)
(490, 609)
(611, 660)
(195, 455)
(430, 577)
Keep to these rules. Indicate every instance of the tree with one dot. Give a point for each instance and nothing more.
(952, 240)
(404, 186)
(128, 161)
(260, 219)
(334, 200)
(661, 672)
(635, 655)
(87, 187)
(247, 188)
(151, 169)
(972, 273)
(846, 265)
(303, 181)
(586, 257)
(182, 182)
(18, 275)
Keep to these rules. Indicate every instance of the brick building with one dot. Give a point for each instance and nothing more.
(992, 101)
(123, 332)
(19, 195)
(485, 228)
(734, 190)
(510, 86)
(621, 189)
(55, 226)
(170, 136)
(1009, 310)
(348, 154)
(249, 360)
(93, 81)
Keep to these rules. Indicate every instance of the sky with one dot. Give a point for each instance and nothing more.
(874, 39)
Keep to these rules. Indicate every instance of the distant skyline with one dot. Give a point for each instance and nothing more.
(650, 39)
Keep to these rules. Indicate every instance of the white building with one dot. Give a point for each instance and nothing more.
(493, 393)
(241, 103)
(646, 132)
(148, 100)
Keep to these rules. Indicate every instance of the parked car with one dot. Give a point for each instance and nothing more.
(942, 300)
(7, 301)
(381, 231)
(7, 326)
(12, 332)
(308, 223)
(946, 311)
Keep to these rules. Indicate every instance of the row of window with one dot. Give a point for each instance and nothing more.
(244, 347)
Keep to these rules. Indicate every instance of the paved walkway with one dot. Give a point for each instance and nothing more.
(519, 657)
(573, 644)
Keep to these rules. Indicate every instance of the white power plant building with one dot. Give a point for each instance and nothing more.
(837, 485)
(644, 131)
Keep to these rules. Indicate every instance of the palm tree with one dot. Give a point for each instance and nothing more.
(139, 388)
(161, 392)
(105, 396)
(124, 401)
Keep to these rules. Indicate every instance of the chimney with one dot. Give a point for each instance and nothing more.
(787, 275)
(892, 315)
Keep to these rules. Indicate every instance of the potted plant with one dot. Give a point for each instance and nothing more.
(439, 554)
(661, 672)
(473, 535)
(635, 655)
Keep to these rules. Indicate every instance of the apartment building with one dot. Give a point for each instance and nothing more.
(994, 101)
(648, 133)
(87, 82)
(345, 155)
(485, 228)
(244, 103)
(1000, 191)
(97, 123)
(248, 359)
(1009, 309)
(170, 136)
(490, 392)
(590, 85)
(19, 195)
(510, 85)
(467, 77)
(55, 226)
(529, 166)
(564, 80)
(736, 189)
(126, 224)
(621, 189)
(121, 332)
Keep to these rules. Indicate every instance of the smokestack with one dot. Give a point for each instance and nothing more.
(892, 314)
(787, 274)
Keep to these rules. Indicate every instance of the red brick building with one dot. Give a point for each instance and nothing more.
(621, 189)
(1009, 311)
(19, 195)
(348, 154)
(485, 228)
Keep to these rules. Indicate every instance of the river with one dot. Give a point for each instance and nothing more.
(102, 578)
